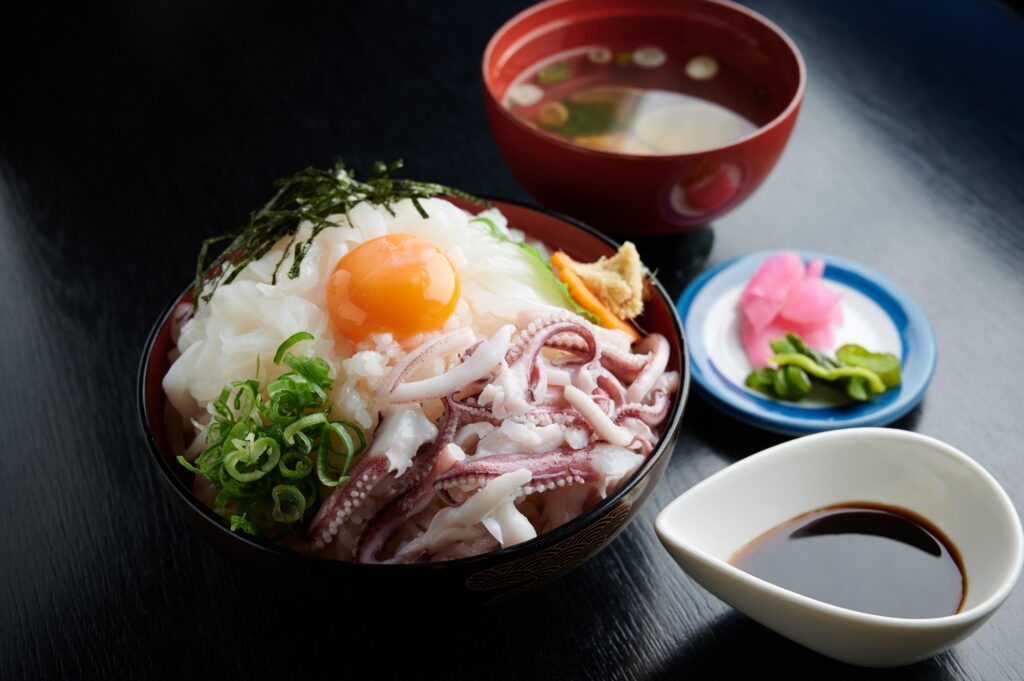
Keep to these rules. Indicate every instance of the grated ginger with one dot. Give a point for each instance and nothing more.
(617, 281)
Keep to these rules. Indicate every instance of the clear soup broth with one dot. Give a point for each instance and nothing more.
(646, 100)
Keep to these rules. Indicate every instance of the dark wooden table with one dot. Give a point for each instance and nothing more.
(128, 133)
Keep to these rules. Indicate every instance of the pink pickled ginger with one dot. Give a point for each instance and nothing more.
(785, 296)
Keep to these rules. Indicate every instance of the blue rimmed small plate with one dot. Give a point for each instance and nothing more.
(877, 315)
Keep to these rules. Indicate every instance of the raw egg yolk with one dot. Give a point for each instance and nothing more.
(399, 284)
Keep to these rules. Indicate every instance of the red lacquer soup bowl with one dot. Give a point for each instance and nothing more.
(488, 577)
(756, 71)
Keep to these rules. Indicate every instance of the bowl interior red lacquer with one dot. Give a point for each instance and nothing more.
(639, 194)
(558, 232)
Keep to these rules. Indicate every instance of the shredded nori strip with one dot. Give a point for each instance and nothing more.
(310, 195)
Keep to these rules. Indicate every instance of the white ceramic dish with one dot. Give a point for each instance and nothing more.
(705, 526)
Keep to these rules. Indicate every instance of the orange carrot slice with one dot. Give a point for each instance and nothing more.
(586, 298)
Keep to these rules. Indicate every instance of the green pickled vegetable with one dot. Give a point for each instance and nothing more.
(788, 383)
(791, 383)
(762, 380)
(856, 372)
(782, 345)
(857, 388)
(799, 346)
(824, 373)
(885, 364)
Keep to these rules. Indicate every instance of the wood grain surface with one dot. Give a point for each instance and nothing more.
(130, 131)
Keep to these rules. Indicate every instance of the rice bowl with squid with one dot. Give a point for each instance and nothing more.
(457, 400)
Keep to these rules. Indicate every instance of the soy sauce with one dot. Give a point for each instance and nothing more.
(874, 558)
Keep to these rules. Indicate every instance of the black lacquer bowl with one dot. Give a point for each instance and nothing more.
(489, 577)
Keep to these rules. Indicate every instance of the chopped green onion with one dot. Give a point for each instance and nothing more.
(324, 469)
(239, 523)
(223, 499)
(313, 369)
(303, 442)
(292, 340)
(302, 424)
(348, 447)
(359, 434)
(259, 445)
(289, 503)
(184, 462)
(249, 454)
(295, 465)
